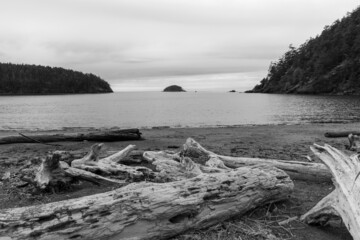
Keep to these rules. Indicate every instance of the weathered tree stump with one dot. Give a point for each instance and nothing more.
(51, 173)
(150, 210)
(317, 172)
(344, 201)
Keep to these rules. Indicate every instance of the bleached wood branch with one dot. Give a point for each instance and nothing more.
(344, 200)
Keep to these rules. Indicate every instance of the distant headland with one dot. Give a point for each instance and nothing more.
(326, 64)
(174, 88)
(24, 79)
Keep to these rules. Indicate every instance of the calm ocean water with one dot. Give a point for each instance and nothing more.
(190, 109)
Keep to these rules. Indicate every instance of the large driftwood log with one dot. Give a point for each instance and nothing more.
(150, 210)
(297, 170)
(344, 201)
(101, 136)
(340, 134)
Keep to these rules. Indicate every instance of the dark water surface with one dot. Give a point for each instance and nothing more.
(190, 109)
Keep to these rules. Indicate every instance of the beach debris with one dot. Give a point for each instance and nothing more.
(174, 167)
(53, 174)
(21, 184)
(111, 165)
(147, 210)
(168, 199)
(287, 221)
(59, 170)
(6, 176)
(354, 141)
(103, 136)
(343, 202)
(309, 158)
(297, 170)
(173, 146)
(340, 134)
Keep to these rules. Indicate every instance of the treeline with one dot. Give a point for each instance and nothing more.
(326, 64)
(20, 79)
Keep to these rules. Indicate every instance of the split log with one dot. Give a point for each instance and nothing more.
(53, 173)
(150, 210)
(111, 164)
(317, 172)
(101, 136)
(340, 134)
(344, 200)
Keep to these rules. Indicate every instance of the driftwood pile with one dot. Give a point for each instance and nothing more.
(178, 191)
(185, 190)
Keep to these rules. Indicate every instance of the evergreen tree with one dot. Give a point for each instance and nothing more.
(327, 64)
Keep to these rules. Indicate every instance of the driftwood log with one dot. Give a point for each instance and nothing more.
(150, 210)
(340, 134)
(53, 173)
(344, 201)
(173, 167)
(111, 165)
(100, 136)
(317, 172)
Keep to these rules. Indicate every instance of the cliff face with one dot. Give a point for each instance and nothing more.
(18, 79)
(327, 64)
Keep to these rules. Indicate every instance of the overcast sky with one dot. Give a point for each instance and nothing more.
(149, 44)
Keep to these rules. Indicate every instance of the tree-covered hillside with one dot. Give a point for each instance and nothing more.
(19, 79)
(326, 64)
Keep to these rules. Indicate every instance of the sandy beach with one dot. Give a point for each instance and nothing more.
(288, 142)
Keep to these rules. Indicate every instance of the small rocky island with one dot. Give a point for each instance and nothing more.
(174, 88)
(24, 79)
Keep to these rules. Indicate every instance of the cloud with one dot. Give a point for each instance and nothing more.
(120, 39)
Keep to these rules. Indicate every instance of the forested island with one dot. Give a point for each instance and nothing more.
(326, 64)
(19, 79)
